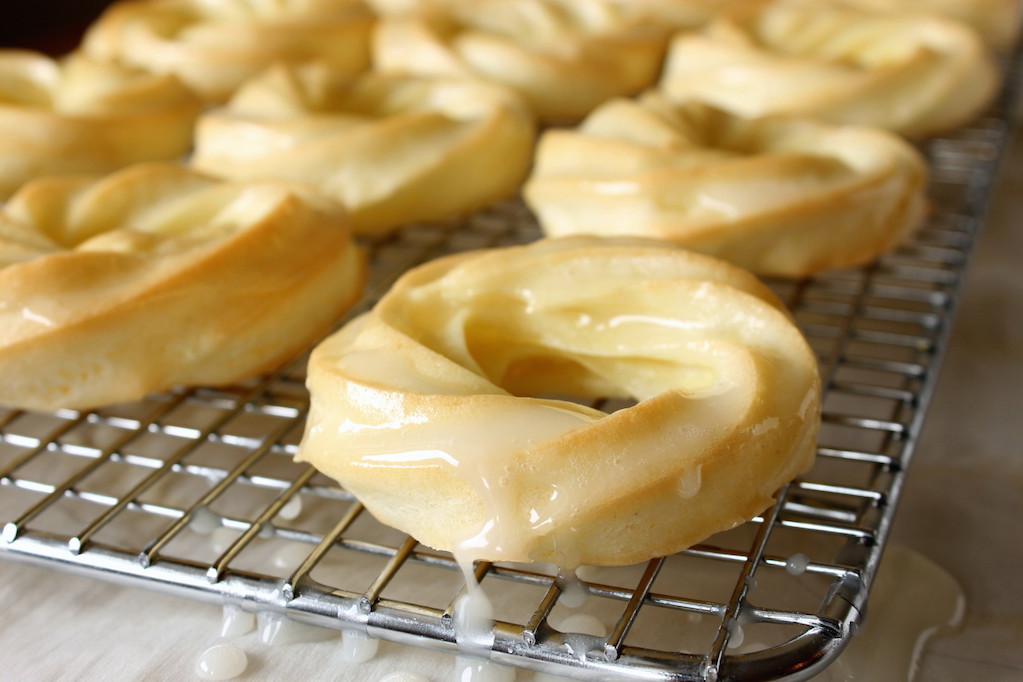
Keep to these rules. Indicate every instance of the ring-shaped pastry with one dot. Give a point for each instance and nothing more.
(75, 115)
(779, 196)
(439, 410)
(997, 21)
(152, 277)
(216, 45)
(393, 149)
(914, 74)
(563, 56)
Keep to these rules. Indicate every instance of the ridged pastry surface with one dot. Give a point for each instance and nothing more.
(779, 196)
(563, 56)
(913, 74)
(76, 115)
(996, 21)
(392, 148)
(216, 45)
(439, 408)
(116, 286)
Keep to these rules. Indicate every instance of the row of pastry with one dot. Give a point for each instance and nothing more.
(668, 111)
(240, 144)
(350, 84)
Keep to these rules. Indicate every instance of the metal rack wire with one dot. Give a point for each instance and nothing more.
(195, 492)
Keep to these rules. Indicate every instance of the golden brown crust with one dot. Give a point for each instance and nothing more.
(422, 407)
(75, 115)
(393, 149)
(155, 276)
(778, 196)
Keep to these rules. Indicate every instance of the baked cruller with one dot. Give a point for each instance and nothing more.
(779, 196)
(563, 57)
(77, 115)
(434, 408)
(154, 276)
(915, 74)
(216, 45)
(393, 149)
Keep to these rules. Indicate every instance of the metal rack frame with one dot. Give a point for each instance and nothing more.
(194, 492)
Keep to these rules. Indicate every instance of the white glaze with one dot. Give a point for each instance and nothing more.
(736, 637)
(690, 482)
(473, 618)
(472, 669)
(358, 647)
(912, 601)
(404, 676)
(574, 592)
(236, 621)
(204, 521)
(797, 564)
(221, 538)
(276, 630)
(584, 624)
(391, 388)
(291, 509)
(291, 556)
(221, 662)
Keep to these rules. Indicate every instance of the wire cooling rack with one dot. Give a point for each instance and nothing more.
(195, 492)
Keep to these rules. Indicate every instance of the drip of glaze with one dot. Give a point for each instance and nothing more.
(275, 630)
(204, 521)
(736, 636)
(912, 600)
(404, 676)
(472, 669)
(358, 647)
(573, 591)
(290, 557)
(222, 538)
(473, 616)
(291, 509)
(584, 624)
(221, 662)
(579, 644)
(690, 483)
(236, 622)
(797, 564)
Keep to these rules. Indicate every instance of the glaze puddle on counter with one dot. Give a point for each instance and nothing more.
(912, 601)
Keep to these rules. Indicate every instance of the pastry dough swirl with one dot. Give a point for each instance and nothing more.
(997, 21)
(393, 149)
(913, 74)
(563, 56)
(216, 45)
(154, 276)
(434, 408)
(778, 196)
(75, 115)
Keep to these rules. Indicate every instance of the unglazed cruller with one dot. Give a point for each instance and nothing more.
(393, 149)
(77, 115)
(911, 73)
(216, 45)
(446, 409)
(781, 196)
(563, 56)
(112, 287)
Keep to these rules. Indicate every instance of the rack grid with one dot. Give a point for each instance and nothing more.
(195, 492)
